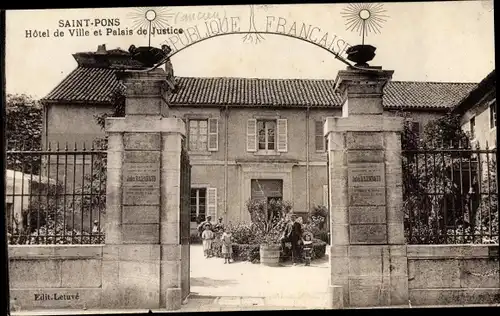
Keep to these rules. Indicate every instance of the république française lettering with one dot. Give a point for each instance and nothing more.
(307, 32)
(366, 179)
(141, 178)
(274, 25)
(56, 297)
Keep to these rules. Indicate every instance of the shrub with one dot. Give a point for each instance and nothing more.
(318, 233)
(319, 216)
(251, 252)
(194, 238)
(267, 219)
(246, 252)
(57, 234)
(243, 233)
(316, 223)
(319, 250)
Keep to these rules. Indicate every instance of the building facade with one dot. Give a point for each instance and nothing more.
(248, 138)
(478, 111)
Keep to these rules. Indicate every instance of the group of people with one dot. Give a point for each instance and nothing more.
(208, 231)
(292, 232)
(299, 240)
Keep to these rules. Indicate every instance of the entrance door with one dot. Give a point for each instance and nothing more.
(266, 189)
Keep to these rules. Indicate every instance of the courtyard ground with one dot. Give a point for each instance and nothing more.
(244, 285)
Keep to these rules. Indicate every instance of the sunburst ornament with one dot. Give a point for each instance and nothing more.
(364, 18)
(149, 18)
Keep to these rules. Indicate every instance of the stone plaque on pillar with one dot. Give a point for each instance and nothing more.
(145, 205)
(369, 193)
(141, 178)
(366, 175)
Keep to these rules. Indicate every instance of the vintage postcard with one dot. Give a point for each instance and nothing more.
(251, 157)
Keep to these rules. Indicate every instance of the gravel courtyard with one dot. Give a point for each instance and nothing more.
(245, 283)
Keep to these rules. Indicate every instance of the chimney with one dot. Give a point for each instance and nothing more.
(101, 49)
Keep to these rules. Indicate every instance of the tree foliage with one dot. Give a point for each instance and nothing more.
(92, 195)
(118, 102)
(23, 131)
(444, 197)
(46, 220)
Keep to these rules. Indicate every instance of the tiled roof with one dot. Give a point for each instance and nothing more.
(95, 85)
(486, 88)
(425, 94)
(89, 85)
(255, 92)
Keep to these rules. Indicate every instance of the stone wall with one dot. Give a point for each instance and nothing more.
(453, 274)
(55, 276)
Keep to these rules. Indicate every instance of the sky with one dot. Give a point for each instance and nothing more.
(449, 41)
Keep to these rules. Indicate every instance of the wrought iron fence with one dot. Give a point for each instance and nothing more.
(450, 195)
(57, 195)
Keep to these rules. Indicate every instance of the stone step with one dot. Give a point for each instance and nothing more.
(251, 303)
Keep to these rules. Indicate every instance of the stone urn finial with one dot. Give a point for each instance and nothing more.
(148, 56)
(361, 54)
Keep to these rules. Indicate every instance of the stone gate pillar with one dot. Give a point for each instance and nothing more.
(142, 256)
(368, 251)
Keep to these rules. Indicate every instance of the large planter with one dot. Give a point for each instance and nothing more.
(270, 254)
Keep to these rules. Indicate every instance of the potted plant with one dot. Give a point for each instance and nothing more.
(268, 222)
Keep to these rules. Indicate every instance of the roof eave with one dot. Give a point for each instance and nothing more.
(79, 102)
(288, 106)
(484, 87)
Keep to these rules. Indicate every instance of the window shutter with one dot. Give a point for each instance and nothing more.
(252, 135)
(282, 135)
(212, 202)
(213, 134)
(325, 195)
(319, 139)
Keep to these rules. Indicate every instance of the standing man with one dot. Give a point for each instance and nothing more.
(295, 237)
(293, 234)
(219, 227)
(287, 229)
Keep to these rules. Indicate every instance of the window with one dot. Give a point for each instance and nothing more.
(198, 204)
(473, 128)
(198, 135)
(319, 138)
(493, 114)
(267, 131)
(267, 136)
(204, 134)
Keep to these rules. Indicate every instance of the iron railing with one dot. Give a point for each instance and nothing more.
(450, 195)
(55, 196)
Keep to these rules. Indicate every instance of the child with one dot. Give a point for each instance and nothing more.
(227, 247)
(307, 248)
(207, 236)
